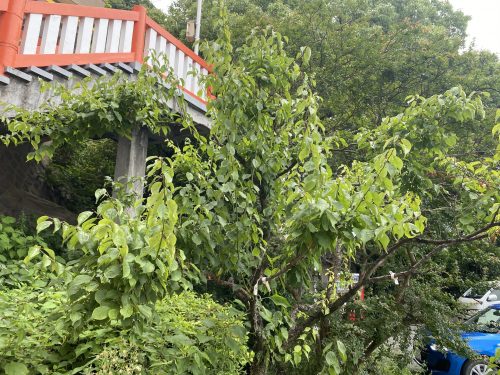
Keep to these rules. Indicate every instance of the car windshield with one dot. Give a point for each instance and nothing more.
(487, 320)
(477, 292)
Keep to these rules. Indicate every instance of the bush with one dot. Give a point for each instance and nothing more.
(15, 241)
(30, 333)
(190, 334)
(180, 333)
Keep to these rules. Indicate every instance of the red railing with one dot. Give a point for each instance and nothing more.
(41, 34)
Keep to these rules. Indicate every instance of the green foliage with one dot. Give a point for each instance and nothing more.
(29, 333)
(75, 173)
(124, 263)
(190, 333)
(96, 111)
(261, 206)
(203, 336)
(288, 194)
(123, 250)
(14, 242)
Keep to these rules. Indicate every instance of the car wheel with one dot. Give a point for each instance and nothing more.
(476, 368)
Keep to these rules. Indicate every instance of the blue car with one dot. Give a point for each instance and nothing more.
(484, 340)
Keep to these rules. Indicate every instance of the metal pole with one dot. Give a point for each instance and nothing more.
(198, 27)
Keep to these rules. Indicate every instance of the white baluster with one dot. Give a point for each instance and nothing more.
(68, 34)
(50, 34)
(188, 67)
(161, 49)
(171, 55)
(31, 33)
(150, 42)
(113, 40)
(84, 35)
(126, 36)
(179, 64)
(100, 33)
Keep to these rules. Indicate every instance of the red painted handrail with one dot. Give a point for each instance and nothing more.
(40, 7)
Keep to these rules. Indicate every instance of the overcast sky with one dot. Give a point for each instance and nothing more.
(484, 28)
(162, 4)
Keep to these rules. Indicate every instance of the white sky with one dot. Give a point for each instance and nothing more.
(164, 4)
(484, 27)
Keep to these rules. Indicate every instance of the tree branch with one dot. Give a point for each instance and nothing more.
(237, 289)
(318, 312)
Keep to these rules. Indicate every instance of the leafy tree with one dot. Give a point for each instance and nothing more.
(367, 57)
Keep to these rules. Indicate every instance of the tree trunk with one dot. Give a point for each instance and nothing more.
(259, 364)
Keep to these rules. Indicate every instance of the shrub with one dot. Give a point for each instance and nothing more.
(15, 242)
(190, 334)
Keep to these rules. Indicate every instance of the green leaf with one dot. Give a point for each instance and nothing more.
(42, 225)
(113, 271)
(148, 267)
(33, 252)
(266, 314)
(333, 362)
(99, 194)
(81, 279)
(10, 220)
(383, 240)
(84, 216)
(176, 275)
(146, 311)
(232, 344)
(127, 311)
(113, 314)
(196, 239)
(280, 301)
(406, 146)
(306, 55)
(365, 235)
(100, 313)
(324, 240)
(396, 162)
(179, 340)
(15, 368)
(342, 350)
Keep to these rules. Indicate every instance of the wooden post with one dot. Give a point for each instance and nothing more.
(139, 34)
(11, 23)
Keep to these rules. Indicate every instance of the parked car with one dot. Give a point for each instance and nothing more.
(483, 338)
(480, 297)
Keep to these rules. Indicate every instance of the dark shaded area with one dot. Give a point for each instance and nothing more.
(23, 190)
